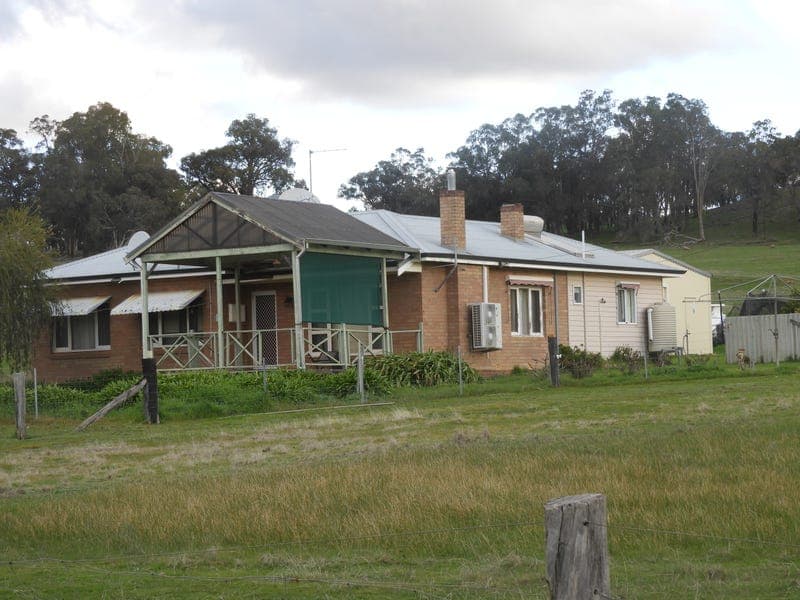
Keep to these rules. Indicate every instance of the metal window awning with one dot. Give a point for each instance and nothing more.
(628, 285)
(77, 307)
(157, 302)
(531, 281)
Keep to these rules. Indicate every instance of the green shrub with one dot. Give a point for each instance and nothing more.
(345, 383)
(98, 381)
(579, 363)
(422, 369)
(627, 359)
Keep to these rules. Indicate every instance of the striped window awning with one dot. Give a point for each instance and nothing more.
(157, 302)
(77, 307)
(529, 281)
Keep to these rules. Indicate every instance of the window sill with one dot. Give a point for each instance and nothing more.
(527, 335)
(71, 354)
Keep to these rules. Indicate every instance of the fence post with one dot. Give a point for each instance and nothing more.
(19, 412)
(576, 546)
(552, 350)
(150, 390)
(361, 388)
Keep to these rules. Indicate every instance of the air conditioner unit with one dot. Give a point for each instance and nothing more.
(487, 331)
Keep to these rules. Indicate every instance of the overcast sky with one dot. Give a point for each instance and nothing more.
(373, 75)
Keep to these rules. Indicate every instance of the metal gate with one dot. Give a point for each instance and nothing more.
(265, 320)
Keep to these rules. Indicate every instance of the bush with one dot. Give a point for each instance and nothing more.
(422, 369)
(98, 381)
(627, 359)
(579, 363)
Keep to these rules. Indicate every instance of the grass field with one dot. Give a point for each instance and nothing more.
(434, 496)
(731, 253)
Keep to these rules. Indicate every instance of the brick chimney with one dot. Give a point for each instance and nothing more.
(451, 216)
(512, 221)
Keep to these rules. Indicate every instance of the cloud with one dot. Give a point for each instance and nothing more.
(382, 49)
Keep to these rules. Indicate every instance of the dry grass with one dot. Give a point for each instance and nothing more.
(404, 494)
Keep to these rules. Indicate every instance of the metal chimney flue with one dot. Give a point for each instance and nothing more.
(451, 180)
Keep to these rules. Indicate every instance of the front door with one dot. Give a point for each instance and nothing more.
(265, 321)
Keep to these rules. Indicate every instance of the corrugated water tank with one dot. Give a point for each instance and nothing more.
(662, 329)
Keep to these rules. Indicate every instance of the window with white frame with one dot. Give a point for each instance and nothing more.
(577, 294)
(526, 310)
(83, 332)
(169, 325)
(626, 303)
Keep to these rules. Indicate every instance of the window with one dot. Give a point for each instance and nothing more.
(577, 294)
(526, 311)
(168, 325)
(626, 304)
(83, 332)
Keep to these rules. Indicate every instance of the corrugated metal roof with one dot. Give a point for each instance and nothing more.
(108, 264)
(307, 221)
(484, 241)
(77, 307)
(156, 302)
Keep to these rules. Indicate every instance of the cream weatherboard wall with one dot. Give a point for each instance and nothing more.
(593, 323)
(690, 294)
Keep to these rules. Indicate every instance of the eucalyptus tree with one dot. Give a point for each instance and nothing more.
(254, 161)
(405, 183)
(18, 173)
(100, 181)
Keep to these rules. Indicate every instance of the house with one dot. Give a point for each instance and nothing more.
(601, 295)
(239, 282)
(690, 294)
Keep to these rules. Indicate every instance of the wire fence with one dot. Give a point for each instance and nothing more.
(146, 565)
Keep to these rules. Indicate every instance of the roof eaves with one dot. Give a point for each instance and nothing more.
(550, 264)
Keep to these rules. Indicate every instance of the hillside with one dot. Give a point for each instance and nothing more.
(731, 253)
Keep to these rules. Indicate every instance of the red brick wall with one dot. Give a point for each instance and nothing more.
(447, 320)
(412, 300)
(126, 332)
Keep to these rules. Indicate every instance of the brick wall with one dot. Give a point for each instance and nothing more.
(125, 330)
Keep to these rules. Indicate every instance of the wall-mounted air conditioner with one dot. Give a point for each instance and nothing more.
(487, 330)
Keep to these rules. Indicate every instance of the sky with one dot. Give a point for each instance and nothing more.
(370, 76)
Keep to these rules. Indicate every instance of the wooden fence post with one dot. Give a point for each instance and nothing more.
(552, 350)
(151, 390)
(576, 545)
(19, 411)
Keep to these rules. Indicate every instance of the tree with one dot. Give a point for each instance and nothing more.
(406, 183)
(100, 182)
(253, 161)
(18, 179)
(701, 144)
(25, 295)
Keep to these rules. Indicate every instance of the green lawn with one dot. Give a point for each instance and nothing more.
(435, 496)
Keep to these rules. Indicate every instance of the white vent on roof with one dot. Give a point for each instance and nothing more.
(297, 195)
(487, 330)
(533, 225)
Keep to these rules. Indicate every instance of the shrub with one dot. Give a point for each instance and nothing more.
(627, 359)
(579, 363)
(422, 368)
(98, 381)
(345, 383)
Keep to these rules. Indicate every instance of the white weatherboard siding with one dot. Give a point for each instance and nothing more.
(593, 324)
